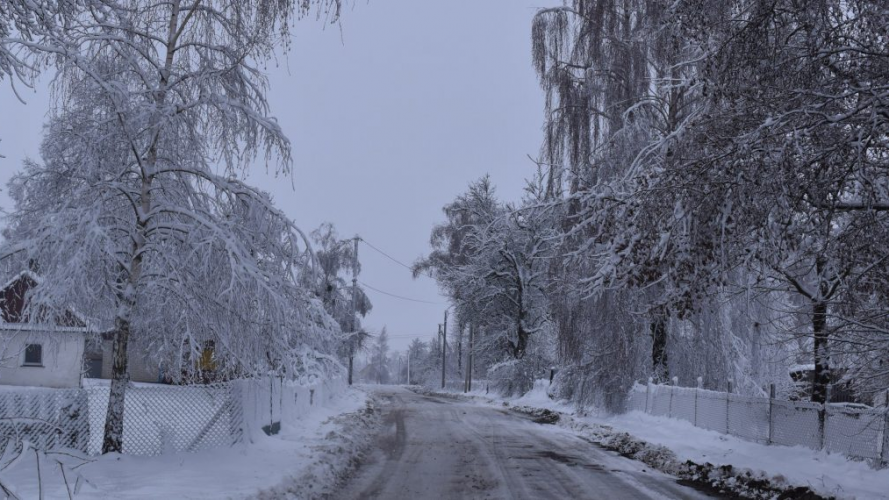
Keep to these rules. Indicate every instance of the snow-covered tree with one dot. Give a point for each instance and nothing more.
(379, 360)
(418, 355)
(160, 106)
(492, 260)
(619, 90)
(785, 171)
(714, 148)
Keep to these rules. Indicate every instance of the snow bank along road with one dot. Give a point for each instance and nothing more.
(439, 448)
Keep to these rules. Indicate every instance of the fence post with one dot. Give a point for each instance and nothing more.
(728, 407)
(697, 388)
(647, 391)
(675, 383)
(822, 417)
(271, 401)
(771, 412)
(884, 447)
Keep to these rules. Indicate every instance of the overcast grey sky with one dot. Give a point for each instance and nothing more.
(390, 118)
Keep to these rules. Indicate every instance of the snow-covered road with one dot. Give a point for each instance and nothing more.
(440, 448)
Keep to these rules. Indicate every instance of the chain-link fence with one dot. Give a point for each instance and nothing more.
(45, 419)
(157, 418)
(857, 433)
(162, 418)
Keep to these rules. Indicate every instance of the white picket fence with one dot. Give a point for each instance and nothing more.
(157, 418)
(857, 433)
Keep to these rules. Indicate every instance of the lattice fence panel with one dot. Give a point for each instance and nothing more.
(45, 418)
(854, 432)
(712, 411)
(160, 419)
(636, 399)
(659, 400)
(683, 405)
(795, 423)
(748, 417)
(157, 418)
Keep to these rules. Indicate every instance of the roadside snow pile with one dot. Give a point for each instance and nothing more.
(307, 458)
(724, 479)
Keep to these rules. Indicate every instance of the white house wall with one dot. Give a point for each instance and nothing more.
(142, 369)
(62, 358)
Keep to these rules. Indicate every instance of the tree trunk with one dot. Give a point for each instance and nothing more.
(351, 359)
(460, 349)
(521, 334)
(113, 441)
(521, 343)
(821, 376)
(660, 372)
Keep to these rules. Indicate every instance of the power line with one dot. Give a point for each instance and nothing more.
(384, 254)
(400, 297)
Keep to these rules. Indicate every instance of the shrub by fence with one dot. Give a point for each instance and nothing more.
(157, 418)
(857, 433)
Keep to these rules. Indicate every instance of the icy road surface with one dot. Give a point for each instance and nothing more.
(439, 448)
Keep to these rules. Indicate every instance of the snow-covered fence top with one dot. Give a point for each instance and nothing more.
(157, 418)
(856, 433)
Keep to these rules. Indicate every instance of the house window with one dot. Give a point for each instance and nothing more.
(34, 355)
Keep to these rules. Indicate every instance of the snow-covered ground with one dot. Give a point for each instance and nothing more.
(827, 474)
(313, 452)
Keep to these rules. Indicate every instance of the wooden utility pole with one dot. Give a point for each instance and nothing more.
(468, 385)
(444, 348)
(354, 300)
(442, 357)
(408, 366)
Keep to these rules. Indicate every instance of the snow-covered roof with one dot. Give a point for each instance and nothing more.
(32, 327)
(23, 274)
(36, 278)
(801, 368)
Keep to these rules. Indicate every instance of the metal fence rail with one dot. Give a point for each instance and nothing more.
(157, 418)
(861, 434)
